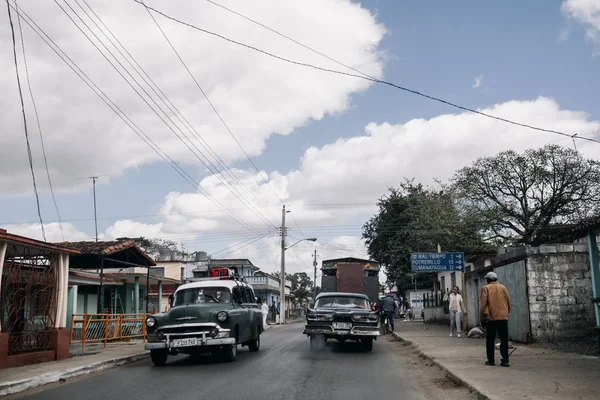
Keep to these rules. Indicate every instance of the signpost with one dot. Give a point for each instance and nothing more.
(437, 262)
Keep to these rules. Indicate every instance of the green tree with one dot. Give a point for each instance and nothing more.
(518, 198)
(302, 285)
(413, 218)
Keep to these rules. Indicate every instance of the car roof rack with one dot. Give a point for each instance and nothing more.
(235, 277)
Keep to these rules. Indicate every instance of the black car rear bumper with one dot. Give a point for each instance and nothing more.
(327, 330)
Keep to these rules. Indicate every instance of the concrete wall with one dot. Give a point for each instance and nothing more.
(435, 315)
(560, 291)
(474, 281)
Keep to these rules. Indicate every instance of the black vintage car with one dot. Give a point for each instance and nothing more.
(343, 316)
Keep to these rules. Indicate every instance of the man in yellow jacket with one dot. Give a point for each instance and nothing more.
(493, 314)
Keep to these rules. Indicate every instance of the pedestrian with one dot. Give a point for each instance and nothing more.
(493, 314)
(265, 312)
(388, 305)
(457, 308)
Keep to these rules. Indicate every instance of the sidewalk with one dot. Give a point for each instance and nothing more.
(533, 374)
(94, 358)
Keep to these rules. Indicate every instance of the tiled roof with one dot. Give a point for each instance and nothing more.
(99, 248)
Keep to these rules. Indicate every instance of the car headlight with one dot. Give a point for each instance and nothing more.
(150, 322)
(222, 316)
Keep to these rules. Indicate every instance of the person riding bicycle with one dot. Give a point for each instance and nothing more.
(388, 306)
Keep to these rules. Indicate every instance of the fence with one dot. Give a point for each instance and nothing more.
(93, 328)
(432, 299)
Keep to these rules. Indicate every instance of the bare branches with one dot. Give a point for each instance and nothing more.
(521, 195)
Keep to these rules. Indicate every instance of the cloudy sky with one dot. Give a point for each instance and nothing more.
(325, 144)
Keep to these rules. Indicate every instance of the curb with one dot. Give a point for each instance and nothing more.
(295, 321)
(454, 378)
(52, 377)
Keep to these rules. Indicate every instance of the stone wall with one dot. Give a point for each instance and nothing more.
(560, 291)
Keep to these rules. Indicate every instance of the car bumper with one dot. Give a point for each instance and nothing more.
(368, 331)
(163, 345)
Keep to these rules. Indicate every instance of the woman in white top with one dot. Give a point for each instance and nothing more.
(456, 306)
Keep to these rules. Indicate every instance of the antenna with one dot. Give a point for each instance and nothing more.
(93, 178)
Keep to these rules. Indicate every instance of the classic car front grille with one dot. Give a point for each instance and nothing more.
(185, 329)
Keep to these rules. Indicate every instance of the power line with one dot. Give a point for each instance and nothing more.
(30, 157)
(289, 38)
(342, 205)
(207, 99)
(119, 112)
(37, 117)
(213, 106)
(160, 94)
(149, 96)
(375, 80)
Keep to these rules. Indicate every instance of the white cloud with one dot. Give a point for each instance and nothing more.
(257, 96)
(361, 168)
(478, 81)
(563, 35)
(586, 12)
(358, 170)
(52, 229)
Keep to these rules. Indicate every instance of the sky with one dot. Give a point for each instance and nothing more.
(202, 145)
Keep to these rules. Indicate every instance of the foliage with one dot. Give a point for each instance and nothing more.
(302, 285)
(519, 197)
(413, 218)
(153, 246)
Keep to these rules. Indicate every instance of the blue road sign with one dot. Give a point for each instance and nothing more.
(437, 262)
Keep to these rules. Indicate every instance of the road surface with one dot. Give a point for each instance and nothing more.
(284, 368)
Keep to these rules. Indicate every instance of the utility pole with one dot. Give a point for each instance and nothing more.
(93, 178)
(315, 267)
(282, 276)
(95, 213)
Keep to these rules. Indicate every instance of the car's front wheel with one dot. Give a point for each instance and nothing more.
(254, 345)
(159, 357)
(230, 352)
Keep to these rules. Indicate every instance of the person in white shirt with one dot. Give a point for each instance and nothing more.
(265, 311)
(456, 306)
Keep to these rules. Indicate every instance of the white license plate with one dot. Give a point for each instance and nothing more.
(342, 325)
(184, 342)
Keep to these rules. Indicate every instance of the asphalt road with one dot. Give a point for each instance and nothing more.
(284, 368)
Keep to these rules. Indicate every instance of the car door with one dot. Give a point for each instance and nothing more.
(244, 312)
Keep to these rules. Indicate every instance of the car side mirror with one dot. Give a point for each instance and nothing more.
(171, 298)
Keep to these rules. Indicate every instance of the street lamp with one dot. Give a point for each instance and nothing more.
(282, 277)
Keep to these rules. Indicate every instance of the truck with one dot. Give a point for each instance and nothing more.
(351, 275)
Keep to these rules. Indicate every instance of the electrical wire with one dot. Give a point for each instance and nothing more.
(37, 117)
(29, 155)
(207, 99)
(383, 82)
(147, 94)
(160, 93)
(123, 116)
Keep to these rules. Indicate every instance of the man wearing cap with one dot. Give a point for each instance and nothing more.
(493, 314)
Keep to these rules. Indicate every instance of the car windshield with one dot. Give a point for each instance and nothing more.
(202, 295)
(342, 302)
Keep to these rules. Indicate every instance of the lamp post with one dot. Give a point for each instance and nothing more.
(282, 277)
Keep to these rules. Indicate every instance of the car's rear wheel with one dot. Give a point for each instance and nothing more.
(230, 352)
(367, 344)
(158, 357)
(254, 345)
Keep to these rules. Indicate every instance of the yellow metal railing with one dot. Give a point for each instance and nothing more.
(94, 328)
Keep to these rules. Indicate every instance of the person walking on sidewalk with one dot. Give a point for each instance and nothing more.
(388, 306)
(493, 314)
(457, 308)
(265, 312)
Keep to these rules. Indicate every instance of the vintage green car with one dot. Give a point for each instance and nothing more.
(208, 316)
